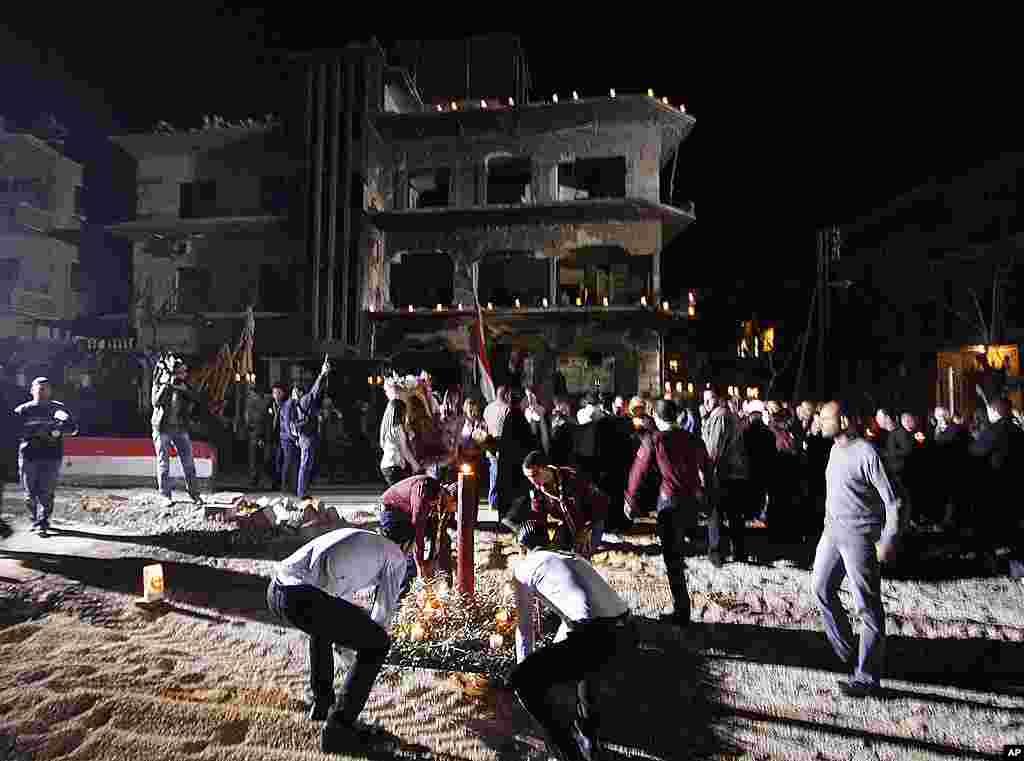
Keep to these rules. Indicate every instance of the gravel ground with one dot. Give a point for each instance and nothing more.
(955, 655)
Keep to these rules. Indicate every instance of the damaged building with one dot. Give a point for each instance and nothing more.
(418, 182)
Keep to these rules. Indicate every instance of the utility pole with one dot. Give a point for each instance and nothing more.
(823, 308)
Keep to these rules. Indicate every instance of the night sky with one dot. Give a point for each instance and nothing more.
(791, 134)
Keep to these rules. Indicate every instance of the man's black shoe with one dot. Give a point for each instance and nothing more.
(320, 709)
(860, 690)
(338, 738)
(676, 619)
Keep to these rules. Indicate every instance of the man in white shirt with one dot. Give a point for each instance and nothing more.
(309, 591)
(495, 414)
(594, 621)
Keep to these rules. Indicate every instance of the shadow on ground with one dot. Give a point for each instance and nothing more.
(974, 664)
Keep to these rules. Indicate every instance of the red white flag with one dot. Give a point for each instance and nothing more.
(480, 351)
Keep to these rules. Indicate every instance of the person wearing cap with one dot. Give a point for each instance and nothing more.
(175, 406)
(420, 501)
(594, 628)
(313, 589)
(44, 424)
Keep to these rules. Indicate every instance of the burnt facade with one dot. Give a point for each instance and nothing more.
(548, 214)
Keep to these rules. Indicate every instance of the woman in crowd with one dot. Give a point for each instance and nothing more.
(398, 460)
(469, 446)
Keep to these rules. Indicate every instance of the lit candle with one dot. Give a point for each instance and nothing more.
(460, 307)
(439, 308)
(411, 309)
(575, 95)
(691, 311)
(496, 641)
(606, 301)
(490, 307)
(466, 469)
(511, 102)
(682, 109)
(439, 108)
(238, 378)
(689, 388)
(554, 98)
(372, 309)
(517, 303)
(664, 305)
(579, 301)
(664, 101)
(483, 104)
(454, 106)
(380, 380)
(643, 301)
(613, 92)
(502, 616)
(650, 93)
(370, 380)
(545, 303)
(418, 632)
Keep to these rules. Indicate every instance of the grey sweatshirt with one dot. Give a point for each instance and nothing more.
(856, 489)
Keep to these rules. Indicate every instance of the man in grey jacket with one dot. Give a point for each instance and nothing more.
(862, 522)
(729, 482)
(175, 404)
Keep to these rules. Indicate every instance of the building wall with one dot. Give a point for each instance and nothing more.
(159, 184)
(638, 143)
(43, 287)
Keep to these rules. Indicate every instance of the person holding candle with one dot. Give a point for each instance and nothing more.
(312, 590)
(593, 630)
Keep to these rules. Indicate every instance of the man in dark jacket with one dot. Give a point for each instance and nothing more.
(175, 406)
(950, 461)
(272, 434)
(898, 447)
(999, 448)
(44, 423)
(681, 458)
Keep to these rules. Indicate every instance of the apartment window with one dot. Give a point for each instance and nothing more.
(198, 199)
(193, 287)
(592, 178)
(600, 273)
(422, 280)
(507, 276)
(508, 180)
(429, 189)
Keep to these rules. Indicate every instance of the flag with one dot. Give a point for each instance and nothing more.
(483, 365)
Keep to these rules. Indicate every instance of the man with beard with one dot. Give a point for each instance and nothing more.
(862, 523)
(175, 406)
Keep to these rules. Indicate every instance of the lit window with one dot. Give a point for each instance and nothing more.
(768, 340)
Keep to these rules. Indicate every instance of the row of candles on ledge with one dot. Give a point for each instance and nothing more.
(545, 304)
(454, 106)
(250, 378)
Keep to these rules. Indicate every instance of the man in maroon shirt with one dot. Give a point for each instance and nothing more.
(681, 458)
(422, 500)
(567, 497)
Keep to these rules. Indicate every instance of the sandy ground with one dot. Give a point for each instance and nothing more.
(86, 673)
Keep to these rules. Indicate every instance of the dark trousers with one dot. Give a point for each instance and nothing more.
(332, 621)
(39, 480)
(675, 516)
(393, 475)
(729, 501)
(577, 658)
(287, 455)
(308, 446)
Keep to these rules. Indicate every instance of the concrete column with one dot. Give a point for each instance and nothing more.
(545, 181)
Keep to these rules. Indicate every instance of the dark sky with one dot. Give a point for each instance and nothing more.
(790, 134)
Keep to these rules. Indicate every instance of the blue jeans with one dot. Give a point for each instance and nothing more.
(853, 556)
(39, 479)
(181, 441)
(307, 462)
(492, 493)
(287, 454)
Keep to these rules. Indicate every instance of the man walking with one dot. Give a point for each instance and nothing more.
(256, 413)
(862, 522)
(593, 630)
(312, 590)
(495, 414)
(272, 434)
(680, 457)
(175, 405)
(998, 450)
(44, 424)
(729, 469)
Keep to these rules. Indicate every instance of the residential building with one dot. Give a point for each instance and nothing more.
(41, 218)
(934, 279)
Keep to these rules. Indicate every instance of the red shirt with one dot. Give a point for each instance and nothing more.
(417, 496)
(680, 457)
(584, 502)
